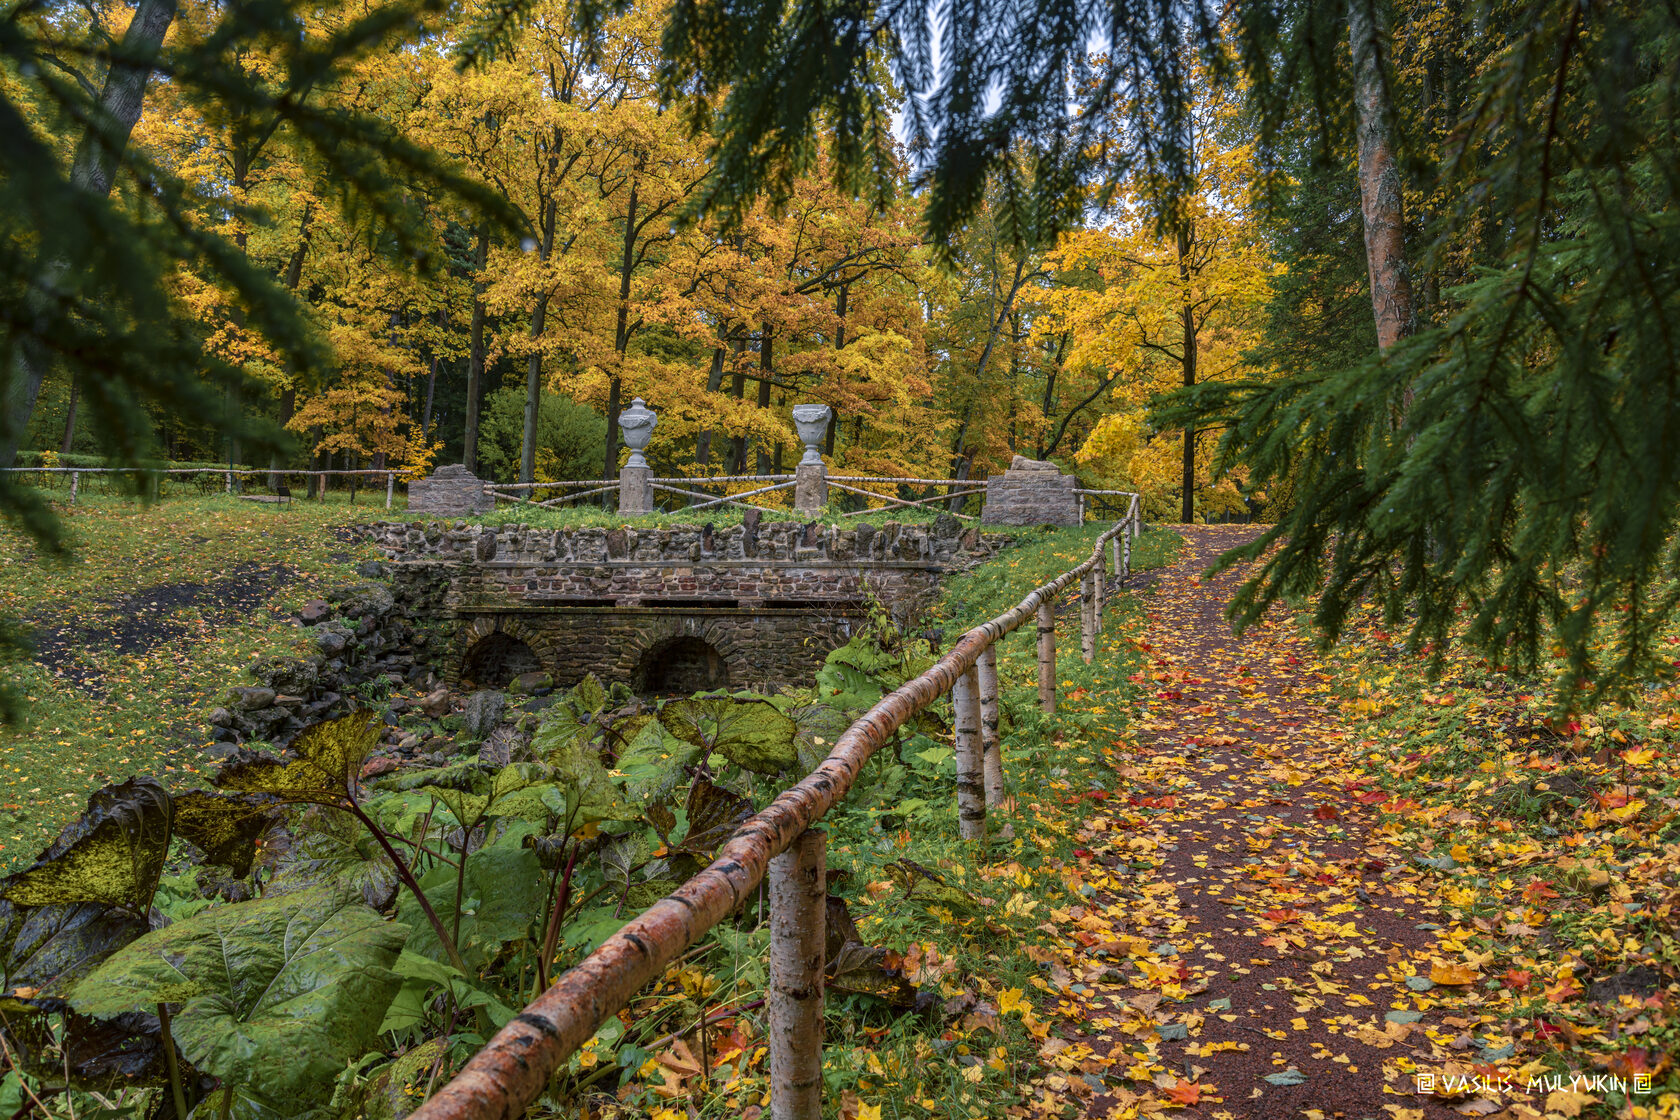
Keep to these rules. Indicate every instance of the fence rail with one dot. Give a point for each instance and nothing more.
(317, 478)
(513, 1068)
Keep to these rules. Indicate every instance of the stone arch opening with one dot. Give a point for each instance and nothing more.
(495, 660)
(680, 667)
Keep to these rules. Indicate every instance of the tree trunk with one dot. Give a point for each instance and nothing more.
(1382, 201)
(294, 277)
(96, 157)
(475, 358)
(70, 417)
(738, 390)
(426, 416)
(714, 382)
(621, 335)
(533, 369)
(1187, 317)
(766, 369)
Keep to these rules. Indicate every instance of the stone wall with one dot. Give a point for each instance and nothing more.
(945, 543)
(758, 650)
(771, 599)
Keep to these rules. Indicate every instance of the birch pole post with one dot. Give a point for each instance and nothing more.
(75, 484)
(390, 487)
(1047, 658)
(971, 781)
(991, 743)
(798, 897)
(1087, 635)
(1099, 576)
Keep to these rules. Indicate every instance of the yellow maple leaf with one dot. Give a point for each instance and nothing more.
(1451, 974)
(1011, 1001)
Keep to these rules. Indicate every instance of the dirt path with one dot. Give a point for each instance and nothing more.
(1273, 954)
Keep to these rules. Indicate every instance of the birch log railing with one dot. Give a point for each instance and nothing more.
(317, 479)
(514, 1067)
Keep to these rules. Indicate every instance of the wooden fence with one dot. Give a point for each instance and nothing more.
(218, 478)
(514, 1067)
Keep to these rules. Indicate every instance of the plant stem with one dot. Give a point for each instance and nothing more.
(480, 1016)
(556, 917)
(461, 880)
(172, 1064)
(413, 886)
(227, 1104)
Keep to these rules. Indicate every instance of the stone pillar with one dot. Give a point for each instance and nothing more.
(810, 488)
(635, 490)
(635, 478)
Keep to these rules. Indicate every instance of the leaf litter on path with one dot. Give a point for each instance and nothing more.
(1251, 945)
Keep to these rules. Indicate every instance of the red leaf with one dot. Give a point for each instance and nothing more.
(1326, 813)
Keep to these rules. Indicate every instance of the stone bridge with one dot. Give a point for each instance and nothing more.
(669, 610)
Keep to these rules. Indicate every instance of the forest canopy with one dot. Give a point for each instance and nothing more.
(1402, 264)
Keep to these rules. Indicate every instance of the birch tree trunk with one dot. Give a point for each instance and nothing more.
(971, 781)
(798, 899)
(991, 742)
(1382, 202)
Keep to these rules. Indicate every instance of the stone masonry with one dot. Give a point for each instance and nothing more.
(772, 599)
(452, 491)
(1031, 492)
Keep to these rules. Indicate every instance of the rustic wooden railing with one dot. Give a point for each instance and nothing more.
(316, 479)
(514, 1067)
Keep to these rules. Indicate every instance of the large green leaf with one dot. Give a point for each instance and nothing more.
(588, 694)
(111, 854)
(276, 994)
(332, 849)
(747, 730)
(324, 759)
(501, 900)
(225, 827)
(569, 748)
(45, 950)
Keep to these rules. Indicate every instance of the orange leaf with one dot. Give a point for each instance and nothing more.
(1185, 1093)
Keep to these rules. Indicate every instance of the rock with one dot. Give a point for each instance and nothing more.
(364, 600)
(222, 748)
(408, 744)
(483, 712)
(485, 550)
(535, 683)
(316, 610)
(377, 766)
(252, 699)
(946, 526)
(437, 703)
(371, 569)
(285, 701)
(331, 642)
(221, 717)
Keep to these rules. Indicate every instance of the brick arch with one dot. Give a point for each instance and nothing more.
(485, 626)
(651, 639)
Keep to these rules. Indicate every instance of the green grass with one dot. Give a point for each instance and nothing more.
(142, 711)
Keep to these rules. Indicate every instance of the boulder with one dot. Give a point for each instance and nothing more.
(316, 610)
(364, 600)
(437, 703)
(251, 699)
(536, 683)
(331, 642)
(482, 712)
(221, 717)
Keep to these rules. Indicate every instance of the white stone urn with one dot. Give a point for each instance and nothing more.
(812, 422)
(637, 423)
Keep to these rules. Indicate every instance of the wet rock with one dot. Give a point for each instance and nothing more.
(482, 712)
(536, 683)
